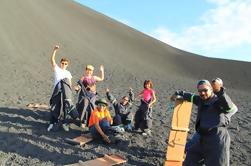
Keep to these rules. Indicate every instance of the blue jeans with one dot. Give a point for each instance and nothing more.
(104, 125)
(195, 139)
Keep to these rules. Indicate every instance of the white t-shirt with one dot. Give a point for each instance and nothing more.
(60, 74)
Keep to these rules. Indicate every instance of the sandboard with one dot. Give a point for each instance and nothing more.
(107, 160)
(178, 134)
(80, 140)
(37, 105)
(74, 126)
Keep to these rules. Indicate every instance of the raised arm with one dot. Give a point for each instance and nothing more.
(131, 95)
(110, 97)
(190, 97)
(101, 78)
(53, 62)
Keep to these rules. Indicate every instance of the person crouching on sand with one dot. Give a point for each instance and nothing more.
(143, 116)
(123, 115)
(100, 121)
(87, 93)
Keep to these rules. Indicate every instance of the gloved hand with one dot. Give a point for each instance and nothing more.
(177, 94)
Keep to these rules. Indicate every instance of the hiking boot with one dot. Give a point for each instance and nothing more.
(66, 127)
(50, 127)
(147, 132)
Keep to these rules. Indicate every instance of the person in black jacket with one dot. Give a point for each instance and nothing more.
(224, 99)
(122, 114)
(60, 73)
(219, 90)
(211, 125)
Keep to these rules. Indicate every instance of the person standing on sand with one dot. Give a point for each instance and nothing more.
(143, 116)
(219, 90)
(214, 140)
(87, 93)
(60, 73)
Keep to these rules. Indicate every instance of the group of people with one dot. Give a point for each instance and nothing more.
(92, 111)
(210, 145)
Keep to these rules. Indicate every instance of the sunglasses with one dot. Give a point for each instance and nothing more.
(202, 90)
(64, 63)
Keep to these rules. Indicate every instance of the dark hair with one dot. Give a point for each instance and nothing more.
(148, 82)
(64, 60)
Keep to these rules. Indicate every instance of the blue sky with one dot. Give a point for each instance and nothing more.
(213, 28)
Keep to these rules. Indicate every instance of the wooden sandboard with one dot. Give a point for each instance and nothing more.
(178, 134)
(80, 140)
(107, 160)
(37, 105)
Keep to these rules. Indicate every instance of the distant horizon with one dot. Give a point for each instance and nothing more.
(211, 28)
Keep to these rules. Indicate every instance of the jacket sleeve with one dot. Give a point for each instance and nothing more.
(131, 97)
(225, 103)
(190, 97)
(111, 98)
(231, 112)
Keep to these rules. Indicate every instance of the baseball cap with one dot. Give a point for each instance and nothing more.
(101, 101)
(202, 82)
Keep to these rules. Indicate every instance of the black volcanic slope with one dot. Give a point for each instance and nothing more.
(28, 31)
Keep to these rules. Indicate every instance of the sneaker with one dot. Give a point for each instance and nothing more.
(50, 127)
(128, 127)
(118, 129)
(83, 126)
(66, 127)
(147, 132)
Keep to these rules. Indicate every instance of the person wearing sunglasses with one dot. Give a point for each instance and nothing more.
(100, 121)
(123, 115)
(60, 73)
(211, 124)
(224, 100)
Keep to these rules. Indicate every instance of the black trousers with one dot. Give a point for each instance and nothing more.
(213, 147)
(143, 117)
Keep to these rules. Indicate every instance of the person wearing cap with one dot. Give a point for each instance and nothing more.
(226, 105)
(87, 93)
(123, 115)
(211, 122)
(100, 121)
